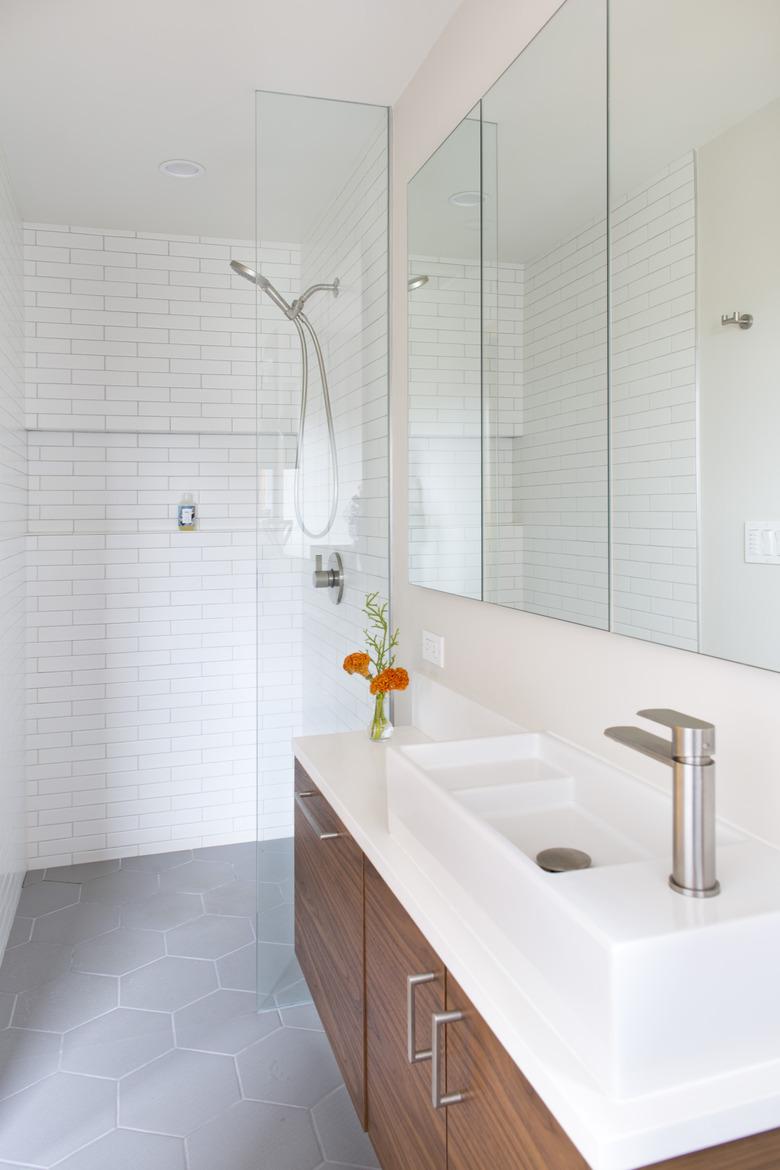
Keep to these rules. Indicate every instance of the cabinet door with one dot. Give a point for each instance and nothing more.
(501, 1122)
(407, 1132)
(329, 929)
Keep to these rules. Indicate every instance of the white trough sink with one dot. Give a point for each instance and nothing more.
(648, 988)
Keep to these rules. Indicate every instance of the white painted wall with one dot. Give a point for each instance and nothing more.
(545, 673)
(740, 404)
(13, 501)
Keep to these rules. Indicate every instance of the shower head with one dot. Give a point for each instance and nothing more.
(417, 282)
(264, 283)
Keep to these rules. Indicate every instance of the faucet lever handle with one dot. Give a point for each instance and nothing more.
(692, 738)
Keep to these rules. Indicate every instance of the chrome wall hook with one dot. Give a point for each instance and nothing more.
(743, 320)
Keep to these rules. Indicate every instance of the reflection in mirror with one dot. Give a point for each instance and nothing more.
(695, 238)
(545, 323)
(445, 392)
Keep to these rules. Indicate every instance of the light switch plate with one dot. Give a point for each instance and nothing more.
(433, 648)
(762, 542)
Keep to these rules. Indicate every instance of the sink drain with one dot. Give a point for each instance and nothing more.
(562, 860)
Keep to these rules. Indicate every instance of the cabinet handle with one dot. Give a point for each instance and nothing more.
(412, 983)
(300, 800)
(440, 1021)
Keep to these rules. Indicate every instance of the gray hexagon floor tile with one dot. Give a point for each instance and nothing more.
(289, 1067)
(7, 1002)
(251, 1135)
(245, 851)
(26, 1057)
(45, 897)
(168, 984)
(81, 873)
(197, 877)
(119, 951)
(239, 970)
(117, 889)
(117, 1043)
(178, 1093)
(21, 929)
(31, 964)
(276, 925)
(126, 1149)
(210, 937)
(162, 911)
(65, 1002)
(76, 923)
(339, 1131)
(336, 1166)
(32, 876)
(225, 1021)
(292, 995)
(302, 1015)
(157, 862)
(43, 1124)
(237, 898)
(176, 1073)
(276, 866)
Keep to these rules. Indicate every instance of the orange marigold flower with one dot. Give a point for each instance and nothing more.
(395, 678)
(357, 664)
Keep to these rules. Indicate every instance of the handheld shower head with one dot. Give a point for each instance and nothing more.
(264, 283)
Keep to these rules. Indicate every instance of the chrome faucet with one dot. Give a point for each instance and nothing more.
(689, 753)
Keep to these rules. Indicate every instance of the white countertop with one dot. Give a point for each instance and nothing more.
(611, 1134)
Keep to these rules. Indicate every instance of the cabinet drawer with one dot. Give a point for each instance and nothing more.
(501, 1121)
(329, 929)
(407, 1132)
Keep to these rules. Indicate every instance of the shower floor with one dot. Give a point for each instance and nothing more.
(129, 1035)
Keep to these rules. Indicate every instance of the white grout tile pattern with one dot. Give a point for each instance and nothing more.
(146, 1056)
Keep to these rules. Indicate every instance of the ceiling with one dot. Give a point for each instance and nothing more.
(678, 80)
(94, 94)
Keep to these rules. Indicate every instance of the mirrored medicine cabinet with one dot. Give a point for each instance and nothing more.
(594, 330)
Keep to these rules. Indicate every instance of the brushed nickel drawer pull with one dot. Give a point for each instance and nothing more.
(440, 1021)
(412, 983)
(300, 800)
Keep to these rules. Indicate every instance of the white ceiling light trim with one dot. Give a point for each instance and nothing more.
(182, 168)
(465, 198)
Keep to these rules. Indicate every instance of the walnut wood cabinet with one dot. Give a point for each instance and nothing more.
(406, 1131)
(329, 929)
(379, 986)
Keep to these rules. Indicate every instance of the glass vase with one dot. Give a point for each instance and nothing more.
(381, 727)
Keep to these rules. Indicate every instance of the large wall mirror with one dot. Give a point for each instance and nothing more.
(596, 437)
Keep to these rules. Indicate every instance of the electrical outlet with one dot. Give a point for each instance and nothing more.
(433, 648)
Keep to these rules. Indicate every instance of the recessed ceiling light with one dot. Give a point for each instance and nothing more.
(466, 198)
(182, 168)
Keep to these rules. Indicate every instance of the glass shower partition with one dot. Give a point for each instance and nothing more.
(321, 220)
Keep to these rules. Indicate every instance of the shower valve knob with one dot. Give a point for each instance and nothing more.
(330, 578)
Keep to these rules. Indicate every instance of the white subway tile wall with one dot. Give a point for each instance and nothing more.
(654, 410)
(561, 488)
(544, 415)
(143, 653)
(13, 501)
(149, 649)
(503, 407)
(350, 242)
(445, 426)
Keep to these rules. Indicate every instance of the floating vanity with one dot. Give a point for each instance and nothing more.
(587, 1019)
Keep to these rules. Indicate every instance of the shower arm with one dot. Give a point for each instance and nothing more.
(299, 302)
